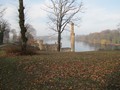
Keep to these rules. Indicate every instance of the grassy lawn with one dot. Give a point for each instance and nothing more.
(98, 70)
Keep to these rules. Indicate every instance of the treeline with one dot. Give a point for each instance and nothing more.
(105, 37)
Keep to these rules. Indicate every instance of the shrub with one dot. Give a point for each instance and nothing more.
(13, 49)
(30, 51)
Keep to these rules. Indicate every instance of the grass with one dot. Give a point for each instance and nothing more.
(98, 70)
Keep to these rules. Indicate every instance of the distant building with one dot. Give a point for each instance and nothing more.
(43, 47)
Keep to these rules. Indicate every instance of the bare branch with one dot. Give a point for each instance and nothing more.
(61, 13)
(2, 10)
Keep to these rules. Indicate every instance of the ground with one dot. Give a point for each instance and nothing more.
(96, 70)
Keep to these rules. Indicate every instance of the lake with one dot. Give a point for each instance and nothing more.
(82, 46)
(79, 46)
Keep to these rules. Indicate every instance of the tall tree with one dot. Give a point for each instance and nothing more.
(22, 25)
(3, 24)
(4, 30)
(61, 13)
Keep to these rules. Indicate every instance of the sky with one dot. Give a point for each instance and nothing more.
(98, 15)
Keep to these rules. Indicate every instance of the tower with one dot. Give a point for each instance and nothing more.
(72, 37)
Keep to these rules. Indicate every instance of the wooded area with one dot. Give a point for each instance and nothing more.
(105, 37)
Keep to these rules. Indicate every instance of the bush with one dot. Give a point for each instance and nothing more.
(13, 49)
(30, 51)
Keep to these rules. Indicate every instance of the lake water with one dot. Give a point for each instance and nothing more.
(79, 46)
(82, 47)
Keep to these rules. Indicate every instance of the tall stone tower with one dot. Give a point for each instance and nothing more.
(72, 37)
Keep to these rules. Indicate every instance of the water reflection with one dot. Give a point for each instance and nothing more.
(79, 46)
(82, 46)
(97, 47)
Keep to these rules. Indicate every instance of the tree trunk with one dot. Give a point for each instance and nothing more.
(1, 37)
(59, 42)
(22, 25)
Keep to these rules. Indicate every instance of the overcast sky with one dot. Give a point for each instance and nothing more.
(98, 15)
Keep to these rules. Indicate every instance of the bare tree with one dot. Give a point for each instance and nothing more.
(4, 27)
(31, 32)
(4, 30)
(61, 12)
(22, 25)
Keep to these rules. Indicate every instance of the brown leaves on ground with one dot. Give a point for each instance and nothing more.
(64, 71)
